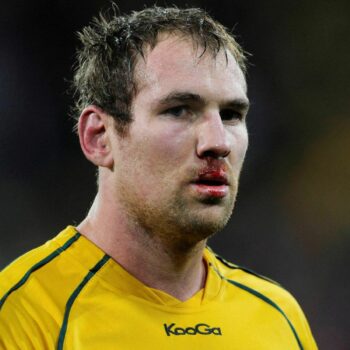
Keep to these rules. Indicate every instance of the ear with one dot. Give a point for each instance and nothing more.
(94, 141)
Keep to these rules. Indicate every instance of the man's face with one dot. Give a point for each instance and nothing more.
(176, 171)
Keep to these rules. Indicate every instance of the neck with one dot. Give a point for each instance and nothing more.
(173, 267)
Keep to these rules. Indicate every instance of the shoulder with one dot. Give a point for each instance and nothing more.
(268, 291)
(18, 272)
(32, 295)
(249, 280)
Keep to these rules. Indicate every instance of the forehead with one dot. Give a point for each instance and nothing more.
(177, 63)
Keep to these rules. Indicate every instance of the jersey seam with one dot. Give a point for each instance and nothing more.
(271, 303)
(92, 272)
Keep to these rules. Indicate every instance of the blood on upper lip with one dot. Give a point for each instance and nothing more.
(215, 176)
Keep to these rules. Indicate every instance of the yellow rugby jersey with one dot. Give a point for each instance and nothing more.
(68, 294)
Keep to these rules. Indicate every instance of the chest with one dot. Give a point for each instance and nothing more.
(128, 323)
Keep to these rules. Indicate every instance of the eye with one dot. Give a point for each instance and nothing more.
(178, 111)
(230, 114)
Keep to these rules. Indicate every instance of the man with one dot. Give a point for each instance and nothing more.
(162, 100)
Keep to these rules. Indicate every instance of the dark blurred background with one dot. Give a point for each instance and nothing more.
(291, 220)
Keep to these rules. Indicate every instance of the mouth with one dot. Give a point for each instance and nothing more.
(212, 179)
(212, 183)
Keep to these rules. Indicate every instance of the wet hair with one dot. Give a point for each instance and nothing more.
(112, 44)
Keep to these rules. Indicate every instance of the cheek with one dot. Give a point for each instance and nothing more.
(159, 158)
(168, 148)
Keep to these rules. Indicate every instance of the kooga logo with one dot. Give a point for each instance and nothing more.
(200, 328)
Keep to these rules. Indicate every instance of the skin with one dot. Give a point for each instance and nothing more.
(149, 214)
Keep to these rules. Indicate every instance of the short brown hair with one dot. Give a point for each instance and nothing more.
(104, 73)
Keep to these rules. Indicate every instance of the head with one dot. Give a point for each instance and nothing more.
(163, 99)
(111, 47)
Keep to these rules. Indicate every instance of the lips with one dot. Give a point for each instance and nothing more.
(213, 178)
(212, 183)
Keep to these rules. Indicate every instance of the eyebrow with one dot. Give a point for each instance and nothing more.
(241, 104)
(181, 97)
(187, 97)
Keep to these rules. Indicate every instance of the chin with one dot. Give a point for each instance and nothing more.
(204, 226)
(207, 219)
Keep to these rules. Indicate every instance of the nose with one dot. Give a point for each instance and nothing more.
(213, 139)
